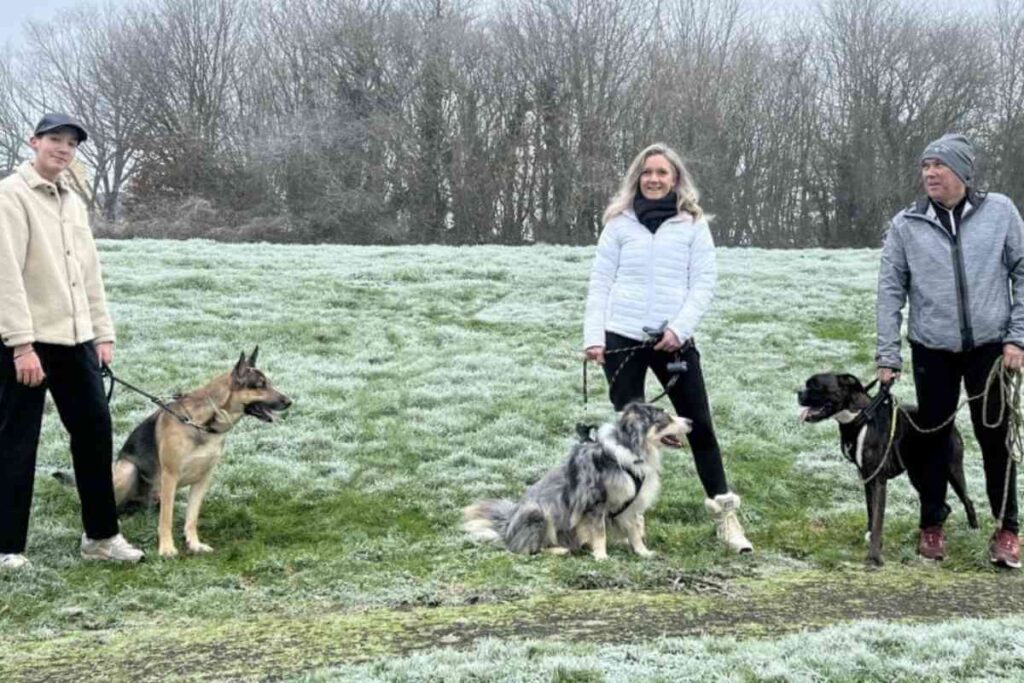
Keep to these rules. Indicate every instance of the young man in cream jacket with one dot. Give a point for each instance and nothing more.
(56, 335)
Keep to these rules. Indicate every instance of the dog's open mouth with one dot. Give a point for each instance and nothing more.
(672, 441)
(812, 414)
(261, 411)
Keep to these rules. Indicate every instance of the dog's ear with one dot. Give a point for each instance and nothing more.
(240, 367)
(850, 382)
(252, 356)
(630, 427)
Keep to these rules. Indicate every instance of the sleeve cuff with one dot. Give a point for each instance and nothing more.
(12, 339)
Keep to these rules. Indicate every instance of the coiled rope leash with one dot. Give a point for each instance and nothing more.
(1009, 410)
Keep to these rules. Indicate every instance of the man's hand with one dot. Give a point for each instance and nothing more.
(27, 368)
(105, 353)
(887, 375)
(1013, 357)
(595, 353)
(669, 342)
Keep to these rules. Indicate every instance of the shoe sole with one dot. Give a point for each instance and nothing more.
(106, 558)
(1003, 563)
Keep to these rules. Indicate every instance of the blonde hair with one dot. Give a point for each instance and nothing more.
(686, 192)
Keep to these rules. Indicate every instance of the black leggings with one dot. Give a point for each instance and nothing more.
(688, 396)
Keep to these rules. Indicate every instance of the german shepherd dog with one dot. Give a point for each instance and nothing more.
(607, 481)
(878, 450)
(164, 453)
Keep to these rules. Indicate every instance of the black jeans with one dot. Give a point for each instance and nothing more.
(937, 378)
(626, 374)
(73, 380)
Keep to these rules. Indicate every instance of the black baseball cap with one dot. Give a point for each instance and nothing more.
(54, 121)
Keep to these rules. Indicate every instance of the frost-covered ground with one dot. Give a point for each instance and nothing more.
(865, 651)
(426, 377)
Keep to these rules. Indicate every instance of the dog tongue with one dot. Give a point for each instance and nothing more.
(803, 413)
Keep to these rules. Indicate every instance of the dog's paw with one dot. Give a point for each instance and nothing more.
(168, 551)
(556, 550)
(198, 548)
(645, 552)
(600, 557)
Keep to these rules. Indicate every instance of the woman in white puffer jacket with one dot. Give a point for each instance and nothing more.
(655, 267)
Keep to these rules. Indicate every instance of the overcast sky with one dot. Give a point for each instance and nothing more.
(13, 13)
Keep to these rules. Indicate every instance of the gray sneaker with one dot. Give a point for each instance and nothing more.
(14, 561)
(113, 548)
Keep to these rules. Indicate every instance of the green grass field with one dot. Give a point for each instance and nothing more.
(424, 378)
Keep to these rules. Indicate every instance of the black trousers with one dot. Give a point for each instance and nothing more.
(73, 380)
(937, 378)
(626, 374)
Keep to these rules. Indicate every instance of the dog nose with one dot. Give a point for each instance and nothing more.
(287, 402)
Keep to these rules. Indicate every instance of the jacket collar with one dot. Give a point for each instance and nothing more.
(923, 207)
(32, 178)
(683, 217)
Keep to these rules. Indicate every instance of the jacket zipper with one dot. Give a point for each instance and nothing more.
(960, 279)
(966, 332)
(650, 278)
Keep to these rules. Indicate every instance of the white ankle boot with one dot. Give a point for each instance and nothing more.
(723, 508)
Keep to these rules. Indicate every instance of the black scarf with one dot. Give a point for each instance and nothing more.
(653, 212)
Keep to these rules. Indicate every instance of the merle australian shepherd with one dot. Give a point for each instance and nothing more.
(606, 483)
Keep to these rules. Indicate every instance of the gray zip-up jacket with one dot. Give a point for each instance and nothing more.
(966, 286)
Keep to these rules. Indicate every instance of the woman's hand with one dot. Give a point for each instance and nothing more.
(105, 353)
(595, 353)
(27, 368)
(669, 342)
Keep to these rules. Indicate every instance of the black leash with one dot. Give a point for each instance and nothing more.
(184, 419)
(881, 398)
(654, 335)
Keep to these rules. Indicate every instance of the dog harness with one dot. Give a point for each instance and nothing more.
(638, 482)
(585, 432)
(866, 416)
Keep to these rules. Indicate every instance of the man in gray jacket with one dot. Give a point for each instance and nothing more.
(958, 254)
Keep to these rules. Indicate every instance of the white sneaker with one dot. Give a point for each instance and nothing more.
(14, 561)
(113, 548)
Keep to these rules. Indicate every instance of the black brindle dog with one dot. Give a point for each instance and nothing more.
(865, 427)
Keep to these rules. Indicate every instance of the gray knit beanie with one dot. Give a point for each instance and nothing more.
(956, 152)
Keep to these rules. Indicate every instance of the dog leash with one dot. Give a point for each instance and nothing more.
(894, 415)
(654, 335)
(1009, 411)
(184, 419)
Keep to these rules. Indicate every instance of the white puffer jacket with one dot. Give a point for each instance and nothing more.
(641, 279)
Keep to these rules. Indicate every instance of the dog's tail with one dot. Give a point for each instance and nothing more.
(65, 478)
(527, 531)
(487, 520)
(522, 528)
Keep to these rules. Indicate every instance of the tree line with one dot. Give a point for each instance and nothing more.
(465, 122)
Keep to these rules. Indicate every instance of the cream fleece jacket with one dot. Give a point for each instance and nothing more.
(51, 287)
